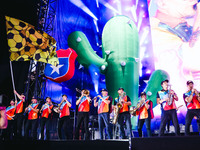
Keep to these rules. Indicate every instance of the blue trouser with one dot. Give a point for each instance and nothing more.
(103, 118)
(125, 117)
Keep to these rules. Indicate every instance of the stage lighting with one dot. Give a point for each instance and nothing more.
(94, 73)
(109, 6)
(82, 6)
(97, 2)
(140, 20)
(148, 72)
(95, 23)
(133, 12)
(144, 35)
(127, 9)
(142, 5)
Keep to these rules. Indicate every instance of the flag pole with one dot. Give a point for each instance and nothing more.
(13, 83)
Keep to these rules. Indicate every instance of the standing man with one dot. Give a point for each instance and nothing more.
(192, 101)
(45, 120)
(103, 112)
(19, 114)
(83, 113)
(31, 123)
(124, 114)
(145, 113)
(169, 110)
(64, 117)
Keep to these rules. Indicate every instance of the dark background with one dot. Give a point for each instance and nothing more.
(25, 10)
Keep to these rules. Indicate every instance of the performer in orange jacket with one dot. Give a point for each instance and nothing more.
(145, 114)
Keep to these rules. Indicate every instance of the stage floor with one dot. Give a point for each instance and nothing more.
(153, 143)
(166, 143)
(68, 145)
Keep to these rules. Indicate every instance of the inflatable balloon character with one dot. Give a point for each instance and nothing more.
(120, 49)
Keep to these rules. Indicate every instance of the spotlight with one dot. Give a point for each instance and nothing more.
(82, 6)
(148, 72)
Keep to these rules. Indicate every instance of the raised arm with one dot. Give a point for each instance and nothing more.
(79, 100)
(189, 98)
(68, 103)
(19, 96)
(175, 96)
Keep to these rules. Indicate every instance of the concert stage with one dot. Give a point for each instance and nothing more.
(154, 143)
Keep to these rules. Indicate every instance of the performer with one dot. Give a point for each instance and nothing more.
(31, 123)
(45, 120)
(83, 113)
(19, 114)
(10, 113)
(169, 111)
(103, 112)
(145, 113)
(124, 114)
(64, 120)
(192, 101)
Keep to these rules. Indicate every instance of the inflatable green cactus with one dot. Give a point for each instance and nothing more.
(120, 49)
(154, 84)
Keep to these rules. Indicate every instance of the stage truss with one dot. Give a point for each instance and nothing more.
(35, 85)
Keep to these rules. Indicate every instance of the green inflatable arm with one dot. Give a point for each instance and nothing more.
(154, 84)
(120, 49)
(86, 55)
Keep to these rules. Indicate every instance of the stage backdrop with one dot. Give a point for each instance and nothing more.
(90, 17)
(176, 48)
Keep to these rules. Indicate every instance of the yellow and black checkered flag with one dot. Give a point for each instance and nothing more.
(26, 43)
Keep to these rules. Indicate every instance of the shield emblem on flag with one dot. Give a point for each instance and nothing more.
(65, 69)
